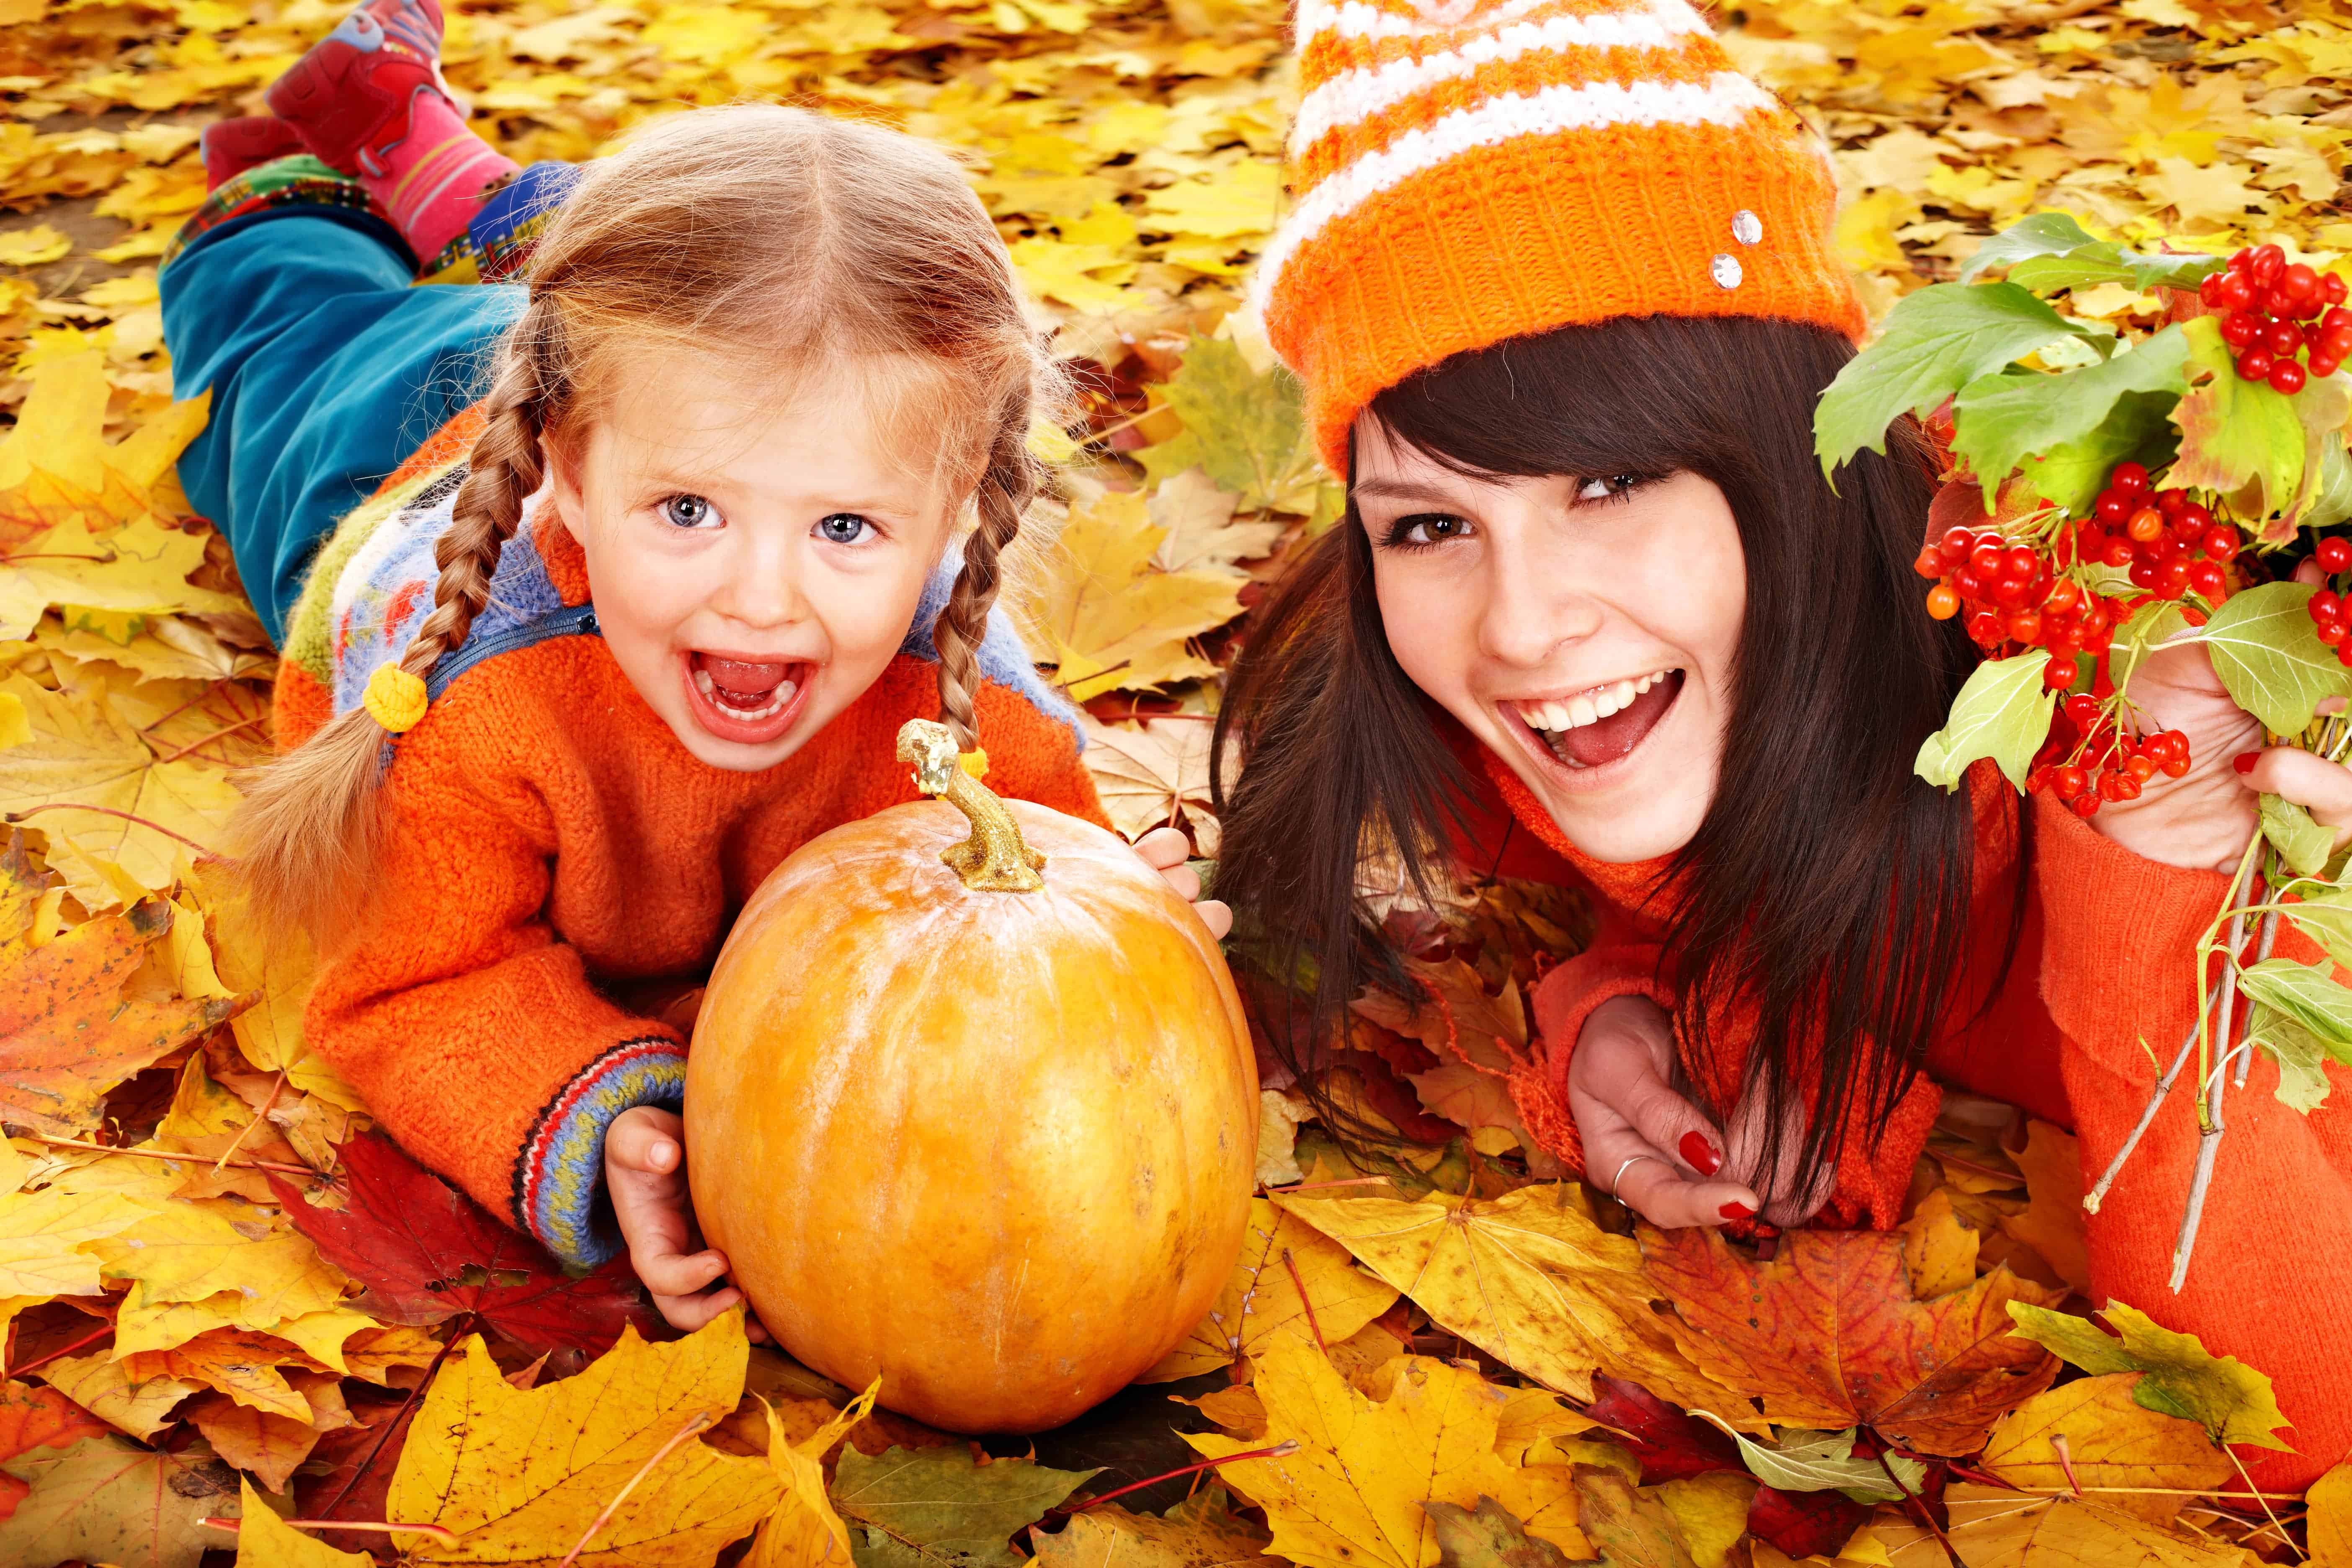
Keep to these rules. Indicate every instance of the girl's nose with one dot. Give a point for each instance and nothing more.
(1528, 612)
(762, 588)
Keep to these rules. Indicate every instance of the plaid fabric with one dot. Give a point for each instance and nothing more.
(299, 181)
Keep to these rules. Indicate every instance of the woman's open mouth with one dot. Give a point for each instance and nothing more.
(748, 701)
(1602, 725)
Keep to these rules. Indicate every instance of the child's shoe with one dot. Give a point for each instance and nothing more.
(369, 99)
(230, 147)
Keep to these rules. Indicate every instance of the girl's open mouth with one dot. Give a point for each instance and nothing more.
(750, 702)
(1603, 725)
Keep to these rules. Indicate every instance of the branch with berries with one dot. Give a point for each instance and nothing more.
(2114, 487)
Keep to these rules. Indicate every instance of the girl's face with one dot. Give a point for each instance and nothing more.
(1583, 629)
(754, 567)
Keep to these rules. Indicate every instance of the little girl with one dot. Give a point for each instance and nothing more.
(1560, 286)
(627, 631)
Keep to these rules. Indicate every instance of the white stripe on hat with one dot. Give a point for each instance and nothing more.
(1726, 97)
(1354, 95)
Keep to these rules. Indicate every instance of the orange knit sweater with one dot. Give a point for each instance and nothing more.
(553, 852)
(2103, 964)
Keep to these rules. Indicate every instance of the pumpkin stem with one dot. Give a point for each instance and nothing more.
(995, 858)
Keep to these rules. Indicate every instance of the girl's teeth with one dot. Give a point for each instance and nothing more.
(1581, 712)
(702, 684)
(1623, 693)
(1555, 716)
(768, 709)
(1605, 702)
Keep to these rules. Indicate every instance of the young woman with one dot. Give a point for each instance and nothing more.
(1561, 287)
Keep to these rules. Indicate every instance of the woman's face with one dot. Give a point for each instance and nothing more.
(1582, 627)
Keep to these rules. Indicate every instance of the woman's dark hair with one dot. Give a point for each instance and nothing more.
(1828, 890)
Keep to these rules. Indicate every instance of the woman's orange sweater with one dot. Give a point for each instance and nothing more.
(553, 852)
(2099, 983)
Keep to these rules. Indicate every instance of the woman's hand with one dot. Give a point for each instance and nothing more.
(2203, 819)
(1649, 1145)
(1165, 850)
(644, 1170)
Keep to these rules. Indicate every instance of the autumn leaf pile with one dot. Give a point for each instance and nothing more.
(222, 1298)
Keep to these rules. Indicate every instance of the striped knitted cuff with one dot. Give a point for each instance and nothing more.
(559, 1181)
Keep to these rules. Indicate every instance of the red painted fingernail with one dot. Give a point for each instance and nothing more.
(1699, 1155)
(1736, 1211)
(2244, 760)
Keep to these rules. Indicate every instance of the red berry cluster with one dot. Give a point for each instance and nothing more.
(2170, 541)
(2087, 760)
(2277, 310)
(2331, 614)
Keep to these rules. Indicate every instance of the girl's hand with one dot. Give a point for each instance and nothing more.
(1647, 1142)
(2203, 819)
(1165, 850)
(644, 1170)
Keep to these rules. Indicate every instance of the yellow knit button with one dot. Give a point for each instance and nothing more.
(975, 762)
(396, 698)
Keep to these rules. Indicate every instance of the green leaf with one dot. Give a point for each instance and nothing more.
(2237, 436)
(2072, 473)
(935, 1506)
(2231, 1400)
(1997, 420)
(2270, 658)
(1247, 431)
(2305, 992)
(1824, 1463)
(1933, 343)
(2042, 234)
(2323, 405)
(2302, 843)
(2301, 1057)
(2003, 712)
(1490, 1538)
(2331, 499)
(2105, 262)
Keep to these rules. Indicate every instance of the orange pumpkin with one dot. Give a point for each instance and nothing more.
(986, 1132)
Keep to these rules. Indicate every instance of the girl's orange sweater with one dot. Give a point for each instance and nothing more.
(2101, 979)
(555, 860)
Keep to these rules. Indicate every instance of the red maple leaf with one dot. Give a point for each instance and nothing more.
(426, 1252)
(1827, 1334)
(1671, 1446)
(30, 1417)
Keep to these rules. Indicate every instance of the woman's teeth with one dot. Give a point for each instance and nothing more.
(1587, 707)
(766, 709)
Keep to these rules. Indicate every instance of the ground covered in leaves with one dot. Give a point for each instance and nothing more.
(223, 1297)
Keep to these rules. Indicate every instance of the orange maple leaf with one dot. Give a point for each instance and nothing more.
(67, 1035)
(1827, 1334)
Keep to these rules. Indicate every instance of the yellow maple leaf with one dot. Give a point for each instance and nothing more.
(804, 1531)
(1993, 1526)
(33, 246)
(1149, 774)
(1288, 1273)
(521, 1475)
(2330, 1501)
(1108, 618)
(116, 1394)
(2111, 1440)
(188, 1250)
(1351, 1494)
(43, 1234)
(2054, 1223)
(1087, 277)
(266, 1540)
(250, 955)
(1528, 1279)
(1244, 199)
(2217, 196)
(1939, 1248)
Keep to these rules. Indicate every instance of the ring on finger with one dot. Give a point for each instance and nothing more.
(1626, 1167)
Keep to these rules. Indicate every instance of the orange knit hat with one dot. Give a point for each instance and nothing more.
(1467, 171)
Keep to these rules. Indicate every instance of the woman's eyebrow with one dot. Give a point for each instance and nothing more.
(1403, 490)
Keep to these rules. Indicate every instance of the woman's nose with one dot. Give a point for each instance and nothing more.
(1528, 613)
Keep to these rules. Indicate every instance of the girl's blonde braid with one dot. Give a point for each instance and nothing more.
(1006, 486)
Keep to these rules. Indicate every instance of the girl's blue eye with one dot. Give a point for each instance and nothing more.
(842, 528)
(689, 512)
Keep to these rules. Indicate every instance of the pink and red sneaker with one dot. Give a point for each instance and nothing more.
(230, 147)
(352, 98)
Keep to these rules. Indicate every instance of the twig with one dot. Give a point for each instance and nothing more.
(62, 1350)
(259, 1117)
(208, 740)
(2261, 955)
(105, 811)
(605, 1518)
(2299, 1553)
(2212, 1074)
(457, 1332)
(1920, 1509)
(1281, 1450)
(1299, 1280)
(1316, 1186)
(169, 1154)
(442, 1533)
(2098, 1192)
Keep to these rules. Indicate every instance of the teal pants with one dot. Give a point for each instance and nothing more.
(327, 368)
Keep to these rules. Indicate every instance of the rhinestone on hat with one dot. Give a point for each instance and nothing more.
(1746, 227)
(1726, 271)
